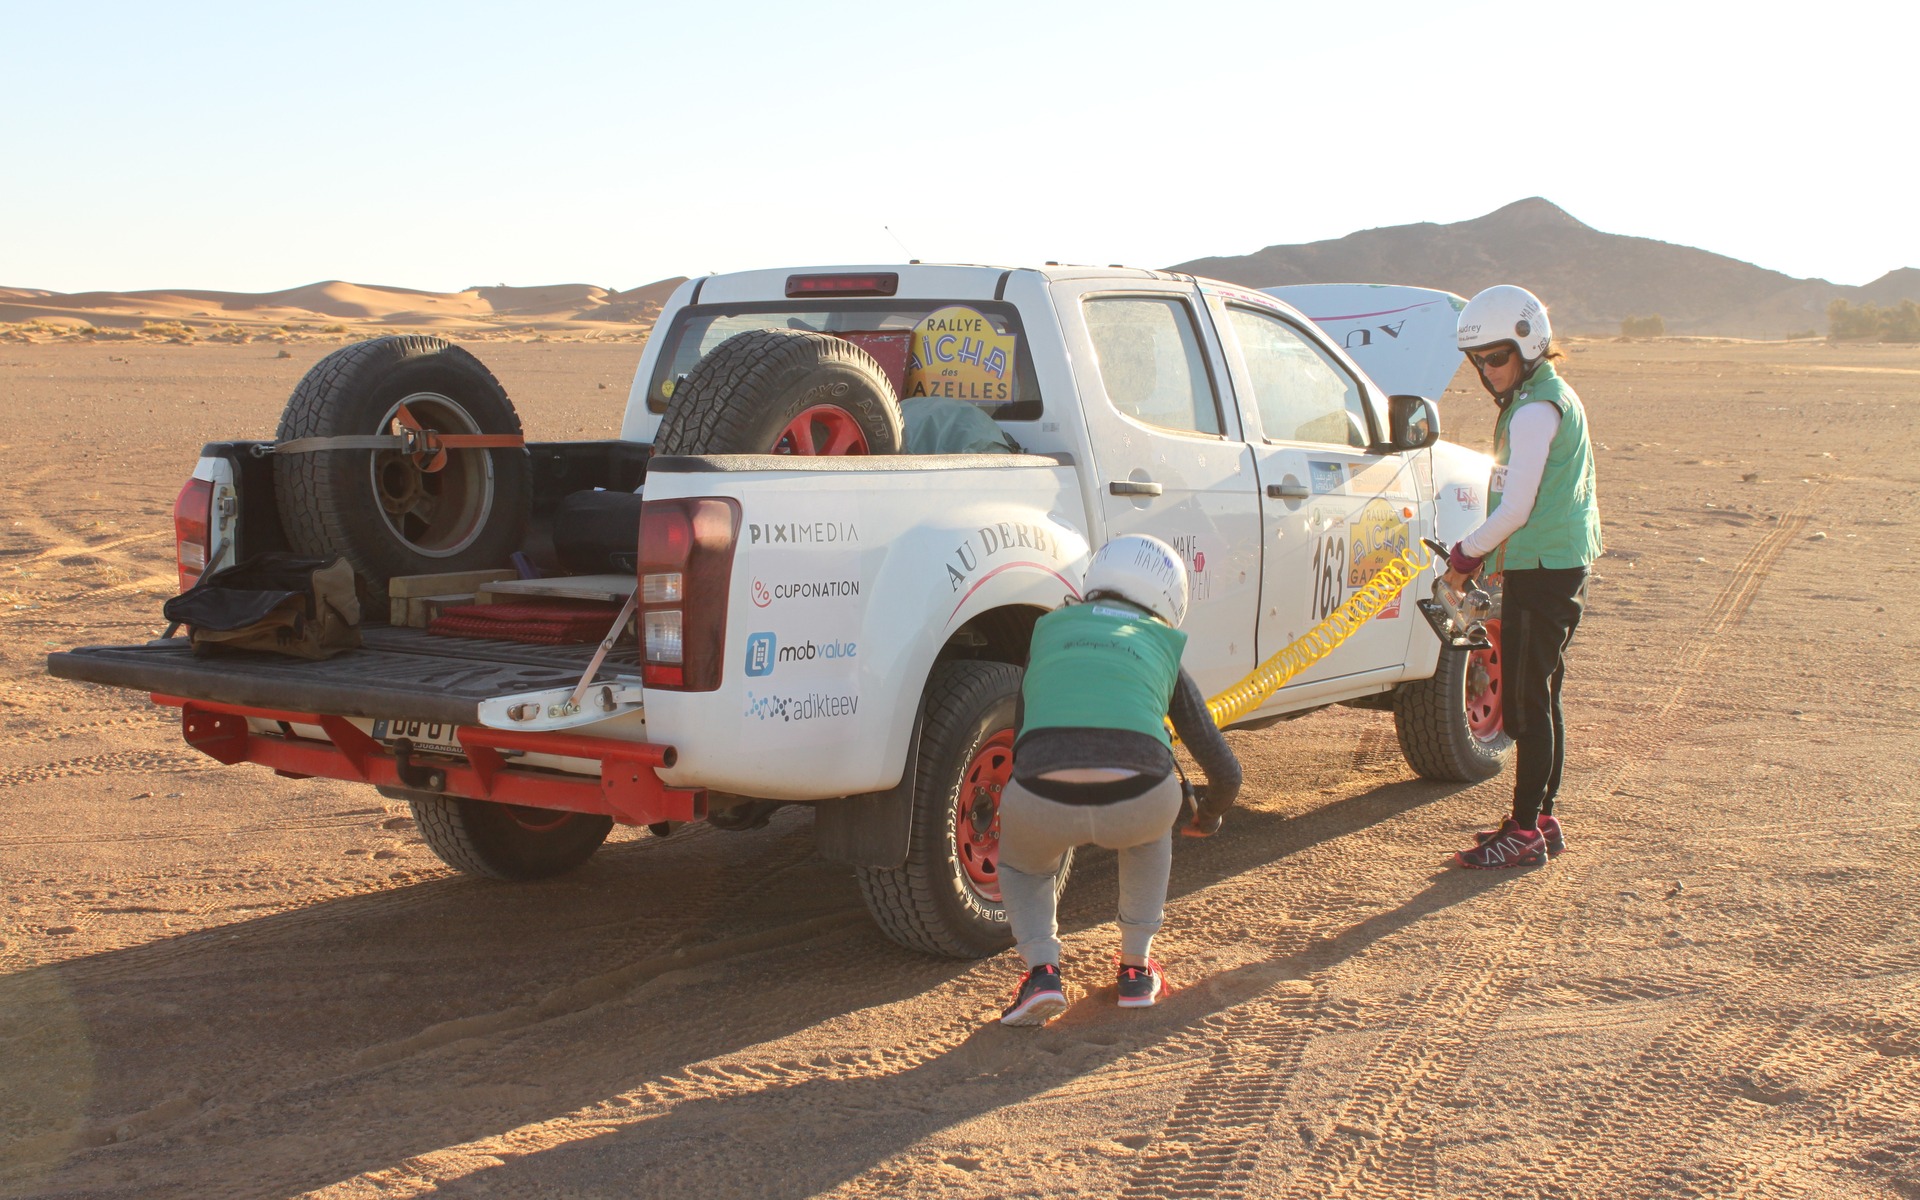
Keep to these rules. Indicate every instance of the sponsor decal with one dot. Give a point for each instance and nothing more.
(997, 539)
(760, 652)
(804, 706)
(764, 652)
(1467, 498)
(801, 533)
(810, 651)
(1362, 336)
(765, 593)
(1328, 478)
(1199, 583)
(959, 354)
(1380, 535)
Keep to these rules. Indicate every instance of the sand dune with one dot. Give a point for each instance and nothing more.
(334, 302)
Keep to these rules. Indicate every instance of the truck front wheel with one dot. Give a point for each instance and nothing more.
(504, 841)
(1449, 725)
(945, 899)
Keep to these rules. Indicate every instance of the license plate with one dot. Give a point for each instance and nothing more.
(425, 735)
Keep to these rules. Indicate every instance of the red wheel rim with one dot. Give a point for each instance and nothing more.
(976, 815)
(1483, 688)
(822, 429)
(537, 820)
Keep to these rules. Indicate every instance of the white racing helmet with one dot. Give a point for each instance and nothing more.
(1505, 313)
(1141, 570)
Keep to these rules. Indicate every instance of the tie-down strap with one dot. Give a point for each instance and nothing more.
(411, 441)
(427, 447)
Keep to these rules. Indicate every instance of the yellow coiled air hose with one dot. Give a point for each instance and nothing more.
(1320, 641)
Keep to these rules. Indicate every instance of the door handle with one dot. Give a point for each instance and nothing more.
(1129, 487)
(1288, 491)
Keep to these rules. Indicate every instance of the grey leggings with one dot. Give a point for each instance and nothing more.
(1036, 833)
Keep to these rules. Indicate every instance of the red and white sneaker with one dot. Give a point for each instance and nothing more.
(1510, 846)
(1140, 987)
(1039, 1000)
(1549, 829)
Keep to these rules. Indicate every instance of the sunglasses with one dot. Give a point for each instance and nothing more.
(1499, 358)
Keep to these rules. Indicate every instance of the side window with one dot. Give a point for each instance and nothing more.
(1151, 361)
(1303, 395)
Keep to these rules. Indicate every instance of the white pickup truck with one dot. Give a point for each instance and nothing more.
(844, 496)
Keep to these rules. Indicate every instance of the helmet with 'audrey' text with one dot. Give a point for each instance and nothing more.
(1141, 570)
(1505, 313)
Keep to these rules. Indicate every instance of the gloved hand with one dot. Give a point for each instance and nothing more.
(1197, 820)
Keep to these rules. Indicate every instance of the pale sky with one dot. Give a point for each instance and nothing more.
(253, 147)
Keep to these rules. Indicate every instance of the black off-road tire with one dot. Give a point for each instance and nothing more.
(502, 841)
(928, 903)
(1430, 715)
(744, 394)
(340, 502)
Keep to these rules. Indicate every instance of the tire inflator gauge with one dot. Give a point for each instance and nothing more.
(1460, 619)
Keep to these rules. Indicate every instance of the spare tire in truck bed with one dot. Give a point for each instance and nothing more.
(782, 391)
(384, 510)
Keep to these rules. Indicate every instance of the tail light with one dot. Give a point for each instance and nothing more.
(193, 530)
(686, 570)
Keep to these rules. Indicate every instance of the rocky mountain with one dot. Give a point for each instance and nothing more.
(1590, 280)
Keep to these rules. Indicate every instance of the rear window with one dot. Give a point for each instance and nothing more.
(963, 350)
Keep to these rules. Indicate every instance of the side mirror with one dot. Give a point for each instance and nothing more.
(1413, 423)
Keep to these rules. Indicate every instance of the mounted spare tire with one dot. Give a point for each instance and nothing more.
(385, 511)
(782, 391)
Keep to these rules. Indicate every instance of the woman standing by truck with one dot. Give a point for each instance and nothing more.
(1541, 534)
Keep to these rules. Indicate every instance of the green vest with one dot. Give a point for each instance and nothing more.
(1563, 530)
(1101, 666)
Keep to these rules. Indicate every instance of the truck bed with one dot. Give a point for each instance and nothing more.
(398, 673)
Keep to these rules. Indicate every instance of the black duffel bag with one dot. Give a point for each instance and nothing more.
(282, 603)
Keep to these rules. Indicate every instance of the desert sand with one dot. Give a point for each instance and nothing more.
(215, 982)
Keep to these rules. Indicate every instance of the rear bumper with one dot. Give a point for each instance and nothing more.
(627, 788)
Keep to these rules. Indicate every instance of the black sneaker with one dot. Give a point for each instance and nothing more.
(1039, 999)
(1510, 846)
(1140, 987)
(1549, 829)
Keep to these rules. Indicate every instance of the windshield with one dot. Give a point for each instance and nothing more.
(970, 350)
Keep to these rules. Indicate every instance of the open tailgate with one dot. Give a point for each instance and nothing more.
(399, 672)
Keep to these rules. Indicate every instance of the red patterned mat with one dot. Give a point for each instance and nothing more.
(543, 622)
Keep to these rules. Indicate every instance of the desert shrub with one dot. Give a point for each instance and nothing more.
(1844, 320)
(173, 331)
(334, 329)
(1798, 335)
(1653, 326)
(1900, 323)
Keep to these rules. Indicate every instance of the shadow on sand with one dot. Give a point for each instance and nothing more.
(380, 1014)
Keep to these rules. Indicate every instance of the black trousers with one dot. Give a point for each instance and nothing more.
(1539, 610)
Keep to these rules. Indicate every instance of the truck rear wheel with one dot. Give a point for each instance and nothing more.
(386, 512)
(945, 899)
(782, 391)
(1449, 725)
(504, 841)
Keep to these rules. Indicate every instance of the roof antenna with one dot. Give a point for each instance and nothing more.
(899, 243)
